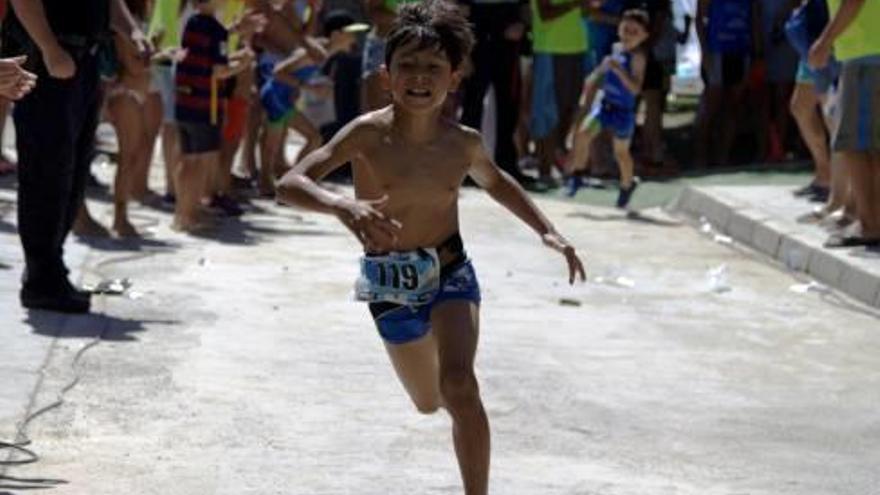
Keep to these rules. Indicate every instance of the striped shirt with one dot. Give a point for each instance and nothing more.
(205, 40)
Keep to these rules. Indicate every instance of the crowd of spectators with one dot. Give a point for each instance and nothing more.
(224, 82)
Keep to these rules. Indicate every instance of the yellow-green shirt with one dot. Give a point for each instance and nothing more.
(564, 35)
(166, 18)
(862, 37)
(231, 12)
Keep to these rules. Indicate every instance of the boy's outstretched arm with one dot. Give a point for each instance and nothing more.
(509, 194)
(299, 187)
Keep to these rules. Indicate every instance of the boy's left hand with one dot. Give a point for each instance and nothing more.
(575, 266)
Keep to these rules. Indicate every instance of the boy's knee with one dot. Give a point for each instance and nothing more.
(427, 407)
(459, 389)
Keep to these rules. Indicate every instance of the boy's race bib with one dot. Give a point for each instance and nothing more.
(410, 278)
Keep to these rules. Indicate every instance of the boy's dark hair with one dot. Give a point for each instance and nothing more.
(431, 24)
(639, 16)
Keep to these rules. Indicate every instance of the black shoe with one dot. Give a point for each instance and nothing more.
(807, 190)
(625, 195)
(61, 301)
(820, 194)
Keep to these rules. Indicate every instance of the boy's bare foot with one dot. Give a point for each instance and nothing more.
(124, 228)
(86, 226)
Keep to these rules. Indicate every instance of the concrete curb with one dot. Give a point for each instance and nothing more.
(796, 248)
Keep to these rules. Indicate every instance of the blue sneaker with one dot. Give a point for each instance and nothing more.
(572, 184)
(625, 195)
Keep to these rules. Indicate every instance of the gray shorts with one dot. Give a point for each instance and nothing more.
(857, 126)
(162, 82)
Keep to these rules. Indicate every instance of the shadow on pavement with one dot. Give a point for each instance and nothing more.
(98, 326)
(626, 216)
(247, 232)
(13, 483)
(136, 244)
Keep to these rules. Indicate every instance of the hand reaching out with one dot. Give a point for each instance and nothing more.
(15, 81)
(575, 266)
(374, 229)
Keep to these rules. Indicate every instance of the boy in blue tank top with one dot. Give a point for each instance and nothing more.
(620, 78)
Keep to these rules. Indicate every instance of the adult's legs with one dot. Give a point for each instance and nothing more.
(862, 170)
(506, 81)
(127, 116)
(706, 122)
(456, 328)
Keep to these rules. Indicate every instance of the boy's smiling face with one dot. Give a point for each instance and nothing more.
(421, 77)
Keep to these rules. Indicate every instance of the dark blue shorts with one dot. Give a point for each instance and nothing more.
(399, 324)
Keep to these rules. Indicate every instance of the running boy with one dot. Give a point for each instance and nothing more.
(408, 165)
(620, 77)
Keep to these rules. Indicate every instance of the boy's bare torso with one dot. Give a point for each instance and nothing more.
(421, 180)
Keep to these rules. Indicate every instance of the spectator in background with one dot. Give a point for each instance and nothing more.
(807, 102)
(855, 39)
(559, 42)
(165, 30)
(499, 31)
(781, 66)
(381, 14)
(126, 100)
(728, 33)
(601, 24)
(55, 129)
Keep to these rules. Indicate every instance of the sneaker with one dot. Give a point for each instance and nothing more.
(572, 184)
(227, 205)
(625, 195)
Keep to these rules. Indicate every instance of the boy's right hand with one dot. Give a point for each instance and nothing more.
(59, 63)
(374, 229)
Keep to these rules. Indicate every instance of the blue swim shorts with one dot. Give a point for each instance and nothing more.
(398, 324)
(620, 121)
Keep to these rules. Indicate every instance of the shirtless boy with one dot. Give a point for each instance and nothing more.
(408, 165)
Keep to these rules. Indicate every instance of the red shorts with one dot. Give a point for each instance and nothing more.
(236, 116)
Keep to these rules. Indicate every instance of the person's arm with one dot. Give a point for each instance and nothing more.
(32, 15)
(123, 22)
(128, 56)
(821, 50)
(282, 69)
(509, 194)
(299, 187)
(588, 94)
(549, 10)
(632, 82)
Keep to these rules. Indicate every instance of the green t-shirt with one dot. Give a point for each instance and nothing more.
(166, 18)
(862, 37)
(393, 5)
(564, 35)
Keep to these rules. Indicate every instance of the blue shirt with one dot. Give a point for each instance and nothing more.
(730, 26)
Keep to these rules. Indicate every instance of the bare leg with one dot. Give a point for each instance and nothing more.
(418, 368)
(171, 154)
(804, 108)
(456, 328)
(583, 139)
(86, 226)
(306, 129)
(127, 117)
(862, 173)
(624, 162)
(273, 141)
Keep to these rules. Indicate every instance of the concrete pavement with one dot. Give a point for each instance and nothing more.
(240, 365)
